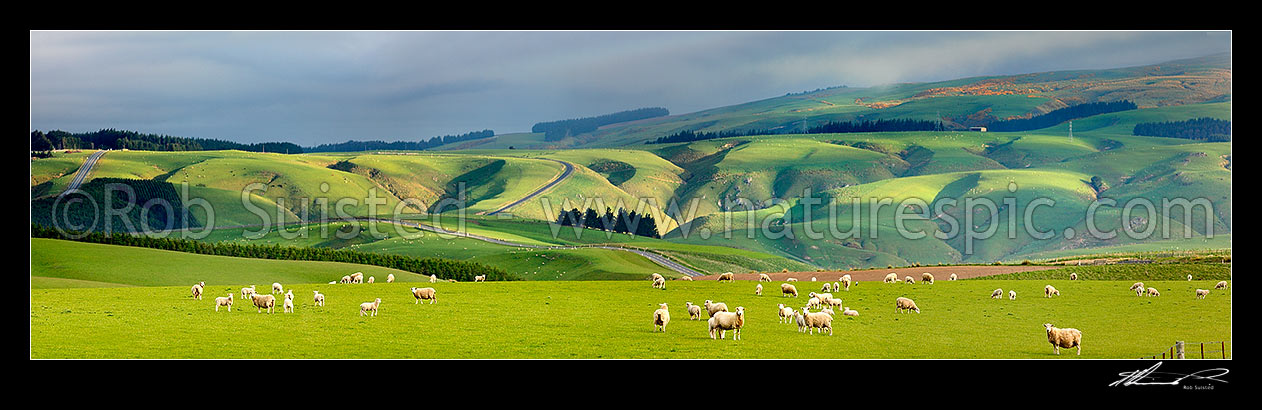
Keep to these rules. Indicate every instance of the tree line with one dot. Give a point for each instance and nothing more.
(1058, 116)
(352, 145)
(622, 222)
(1200, 129)
(442, 268)
(557, 130)
(117, 139)
(831, 127)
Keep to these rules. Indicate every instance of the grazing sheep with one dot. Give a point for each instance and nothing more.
(997, 294)
(1138, 285)
(1221, 285)
(758, 290)
(264, 302)
(197, 290)
(953, 277)
(850, 312)
(818, 320)
(905, 304)
(661, 317)
(425, 293)
(837, 286)
(289, 294)
(1153, 292)
(712, 308)
(833, 302)
(1050, 290)
(926, 278)
(812, 278)
(246, 292)
(891, 278)
(369, 306)
(828, 287)
(762, 277)
(845, 283)
(725, 321)
(1065, 338)
(345, 279)
(288, 305)
(1012, 295)
(1073, 276)
(372, 279)
(1189, 277)
(357, 277)
(656, 277)
(390, 278)
(224, 301)
(1202, 293)
(687, 278)
(909, 280)
(787, 289)
(791, 280)
(800, 319)
(726, 277)
(479, 278)
(786, 313)
(277, 288)
(829, 311)
(1140, 291)
(846, 278)
(659, 284)
(694, 311)
(824, 297)
(433, 279)
(318, 299)
(813, 302)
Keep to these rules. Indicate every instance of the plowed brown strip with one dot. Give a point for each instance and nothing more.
(940, 273)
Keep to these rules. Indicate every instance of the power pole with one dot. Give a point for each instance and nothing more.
(1071, 131)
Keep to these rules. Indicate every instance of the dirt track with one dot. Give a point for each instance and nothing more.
(877, 275)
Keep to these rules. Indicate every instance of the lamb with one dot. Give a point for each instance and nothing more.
(246, 292)
(433, 279)
(656, 277)
(953, 277)
(224, 301)
(891, 278)
(1221, 285)
(712, 308)
(813, 302)
(345, 279)
(369, 306)
(758, 290)
(791, 280)
(909, 280)
(1189, 277)
(659, 284)
(850, 312)
(1140, 291)
(1050, 290)
(1073, 276)
(800, 319)
(829, 311)
(1012, 295)
(845, 282)
(820, 320)
(264, 302)
(846, 278)
(725, 321)
(197, 290)
(828, 287)
(661, 317)
(1202, 293)
(837, 286)
(372, 279)
(694, 311)
(390, 278)
(926, 278)
(905, 304)
(997, 294)
(786, 313)
(479, 278)
(288, 305)
(1138, 285)
(1153, 292)
(787, 289)
(1065, 338)
(429, 294)
(726, 277)
(833, 302)
(357, 277)
(762, 277)
(687, 278)
(318, 299)
(290, 294)
(277, 288)
(824, 297)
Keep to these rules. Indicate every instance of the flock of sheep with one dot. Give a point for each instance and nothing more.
(721, 320)
(268, 302)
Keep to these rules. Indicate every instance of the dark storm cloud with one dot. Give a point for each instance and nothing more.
(316, 87)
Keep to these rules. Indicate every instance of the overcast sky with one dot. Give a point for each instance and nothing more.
(313, 87)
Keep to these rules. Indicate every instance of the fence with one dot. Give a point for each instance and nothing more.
(1186, 350)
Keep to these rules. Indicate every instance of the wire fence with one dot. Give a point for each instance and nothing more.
(1194, 350)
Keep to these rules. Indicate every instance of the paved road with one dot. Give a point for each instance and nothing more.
(83, 171)
(569, 169)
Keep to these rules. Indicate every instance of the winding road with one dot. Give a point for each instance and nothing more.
(83, 171)
(569, 169)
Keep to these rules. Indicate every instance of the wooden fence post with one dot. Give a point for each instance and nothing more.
(1178, 347)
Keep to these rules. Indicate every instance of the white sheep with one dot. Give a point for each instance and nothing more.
(1012, 295)
(891, 278)
(246, 292)
(345, 279)
(479, 278)
(845, 282)
(288, 305)
(1221, 285)
(818, 320)
(724, 321)
(264, 302)
(433, 278)
(1065, 338)
(837, 286)
(694, 311)
(429, 294)
(800, 319)
(318, 299)
(369, 307)
(785, 313)
(357, 277)
(762, 277)
(224, 301)
(828, 287)
(712, 308)
(390, 278)
(1153, 292)
(197, 290)
(824, 297)
(1138, 285)
(904, 305)
(1073, 275)
(997, 294)
(787, 289)
(791, 280)
(1189, 277)
(661, 317)
(1050, 290)
(926, 278)
(726, 277)
(846, 278)
(656, 277)
(758, 290)
(812, 279)
(687, 278)
(277, 288)
(372, 279)
(813, 303)
(1140, 291)
(953, 277)
(1202, 293)
(850, 312)
(833, 302)
(909, 280)
(659, 284)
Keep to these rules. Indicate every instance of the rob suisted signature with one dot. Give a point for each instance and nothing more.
(1151, 377)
